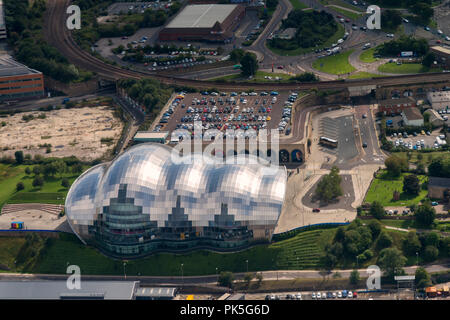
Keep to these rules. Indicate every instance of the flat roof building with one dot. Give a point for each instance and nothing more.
(19, 81)
(437, 186)
(57, 290)
(2, 22)
(209, 22)
(146, 136)
(442, 54)
(439, 99)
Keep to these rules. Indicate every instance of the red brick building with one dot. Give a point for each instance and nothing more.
(395, 106)
(204, 22)
(18, 81)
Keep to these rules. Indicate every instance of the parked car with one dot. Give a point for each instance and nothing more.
(316, 210)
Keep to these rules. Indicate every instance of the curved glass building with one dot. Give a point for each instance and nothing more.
(143, 202)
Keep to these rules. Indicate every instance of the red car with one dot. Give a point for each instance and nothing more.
(347, 20)
(280, 67)
(438, 41)
(316, 210)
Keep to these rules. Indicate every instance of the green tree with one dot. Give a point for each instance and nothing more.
(429, 59)
(248, 278)
(375, 227)
(20, 186)
(391, 261)
(38, 182)
(77, 168)
(60, 166)
(377, 210)
(384, 240)
(430, 253)
(226, 279)
(249, 64)
(354, 277)
(329, 186)
(422, 279)
(65, 183)
(236, 55)
(425, 214)
(19, 157)
(411, 184)
(395, 165)
(37, 170)
(259, 277)
(411, 244)
(28, 170)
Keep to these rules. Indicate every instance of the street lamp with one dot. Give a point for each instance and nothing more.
(417, 254)
(182, 275)
(217, 275)
(247, 264)
(124, 273)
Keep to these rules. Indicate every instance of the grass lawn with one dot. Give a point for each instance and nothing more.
(297, 4)
(347, 13)
(258, 77)
(335, 64)
(367, 55)
(406, 68)
(340, 3)
(364, 75)
(383, 187)
(51, 191)
(426, 157)
(333, 39)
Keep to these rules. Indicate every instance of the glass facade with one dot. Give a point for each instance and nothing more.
(142, 202)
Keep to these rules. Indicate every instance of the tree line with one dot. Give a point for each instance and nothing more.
(24, 21)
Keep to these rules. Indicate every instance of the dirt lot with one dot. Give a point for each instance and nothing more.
(75, 132)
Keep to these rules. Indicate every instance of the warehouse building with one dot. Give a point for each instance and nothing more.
(439, 99)
(435, 118)
(58, 290)
(204, 22)
(17, 81)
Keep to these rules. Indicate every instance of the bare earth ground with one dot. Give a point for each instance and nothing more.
(33, 219)
(70, 132)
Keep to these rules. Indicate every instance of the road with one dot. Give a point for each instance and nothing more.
(212, 279)
(57, 34)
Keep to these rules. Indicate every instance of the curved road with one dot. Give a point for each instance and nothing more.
(58, 35)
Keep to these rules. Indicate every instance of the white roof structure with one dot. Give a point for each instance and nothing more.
(201, 15)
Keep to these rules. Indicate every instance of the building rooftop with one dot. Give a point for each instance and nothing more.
(438, 96)
(10, 67)
(148, 135)
(396, 101)
(55, 290)
(434, 115)
(439, 182)
(156, 292)
(412, 114)
(201, 15)
(2, 16)
(441, 49)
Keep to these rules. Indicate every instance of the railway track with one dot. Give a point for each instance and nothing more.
(58, 35)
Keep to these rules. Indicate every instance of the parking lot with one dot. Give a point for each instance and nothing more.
(135, 7)
(418, 140)
(222, 111)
